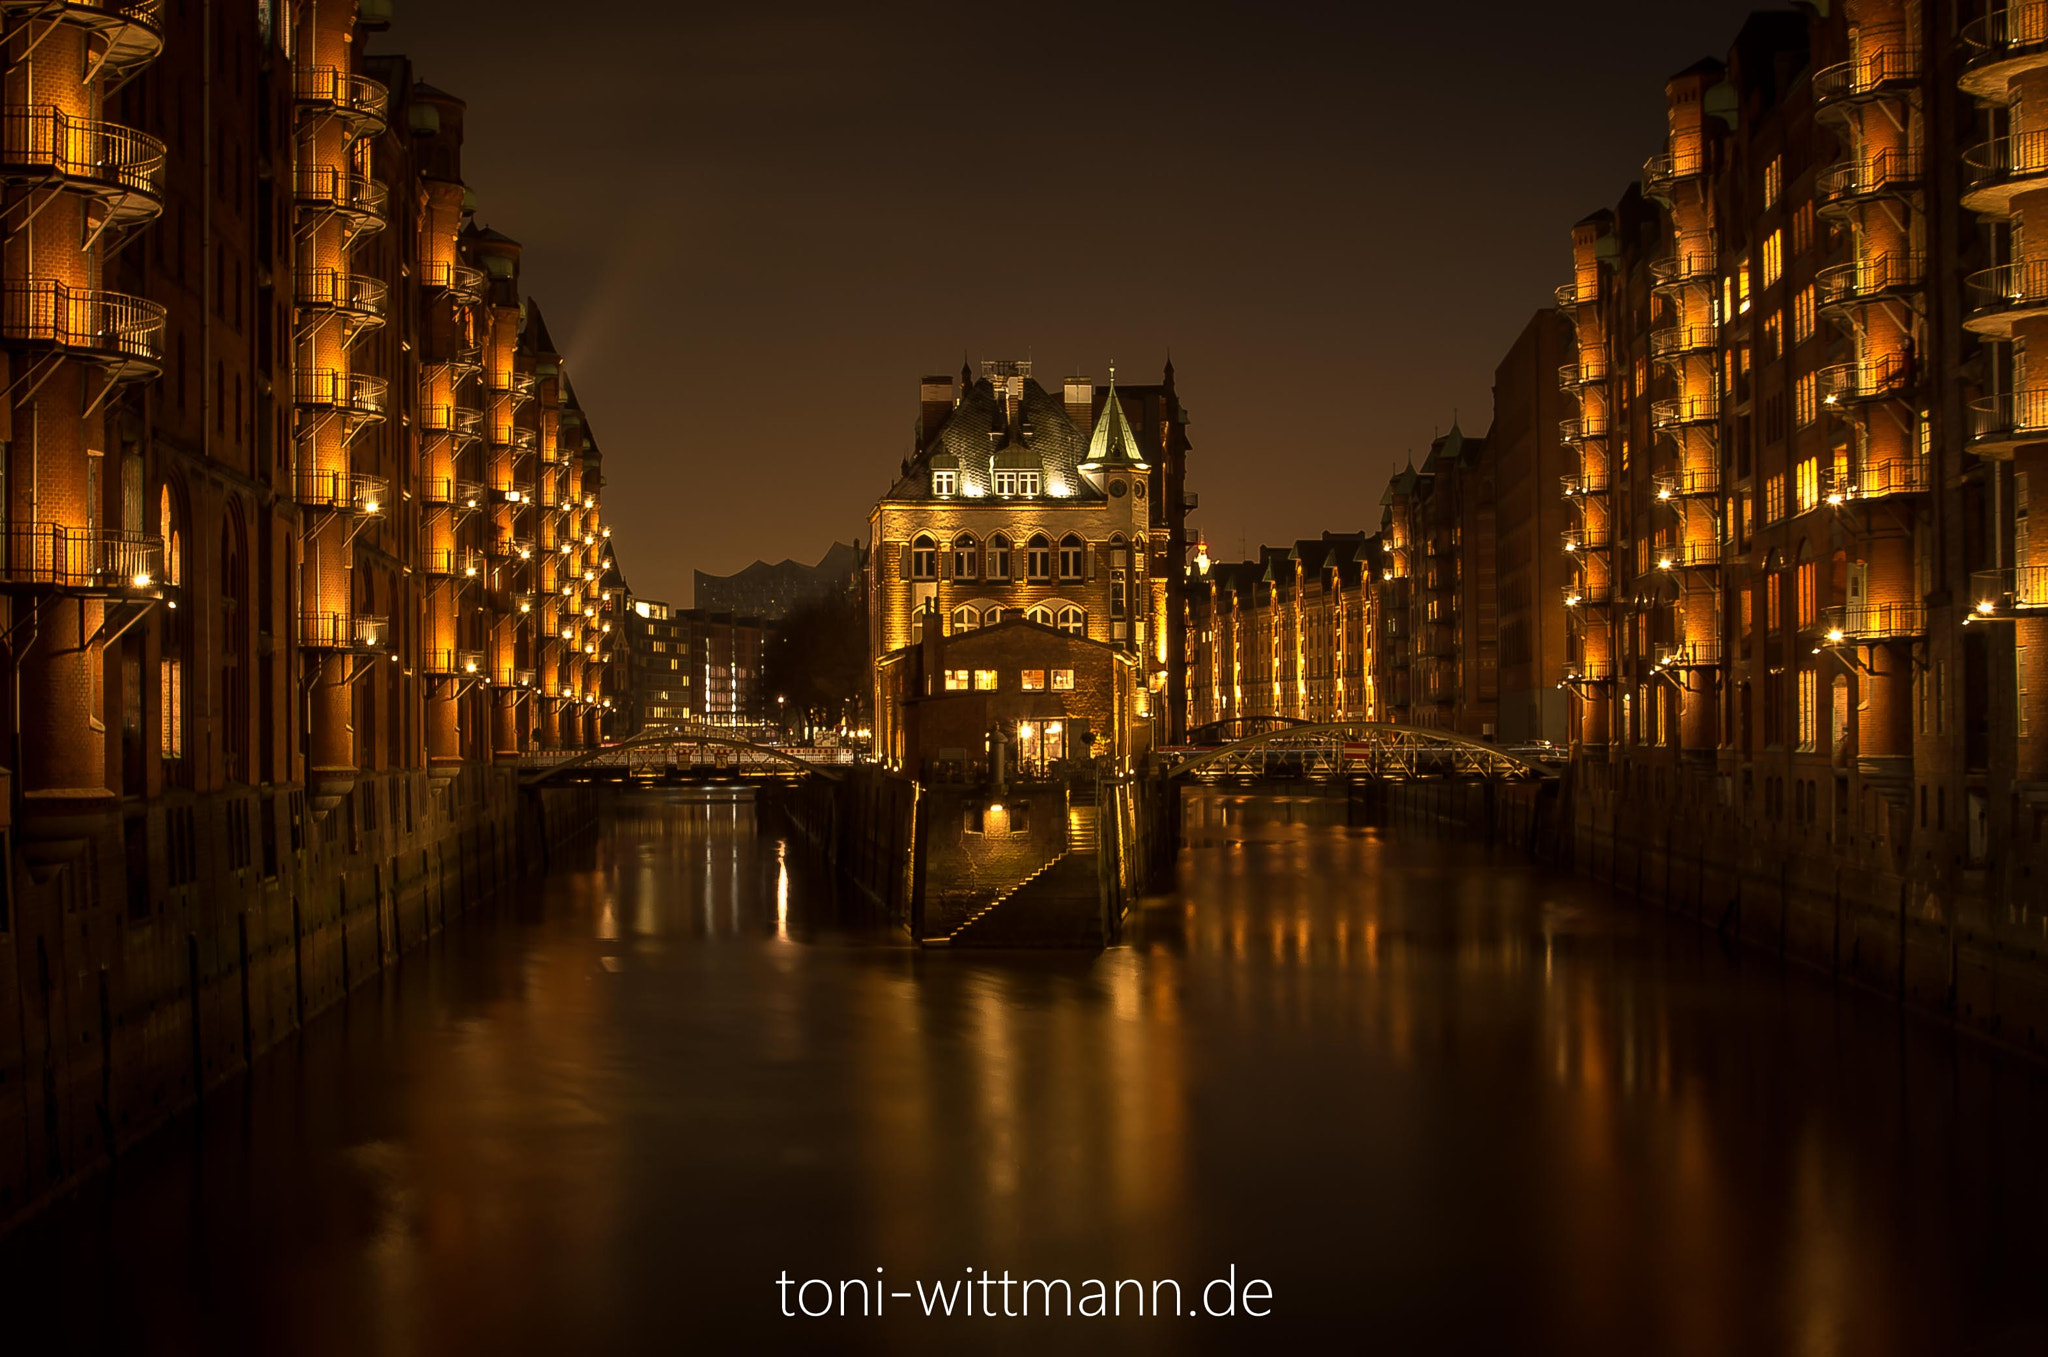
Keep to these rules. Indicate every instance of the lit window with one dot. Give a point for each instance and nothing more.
(958, 680)
(945, 482)
(1006, 482)
(1807, 486)
(1070, 557)
(999, 557)
(1062, 680)
(1034, 680)
(963, 557)
(173, 715)
(1806, 400)
(1774, 181)
(965, 619)
(985, 680)
(1802, 314)
(1774, 257)
(924, 559)
(1073, 620)
(1774, 498)
(1809, 711)
(1038, 557)
(1027, 483)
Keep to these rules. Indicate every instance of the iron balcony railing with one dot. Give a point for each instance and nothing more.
(2010, 38)
(1996, 294)
(1663, 172)
(1675, 341)
(1688, 482)
(1886, 61)
(1872, 622)
(466, 281)
(522, 601)
(1867, 379)
(461, 362)
(1694, 555)
(1693, 259)
(1573, 293)
(465, 425)
(2010, 417)
(1573, 431)
(452, 493)
(92, 560)
(1591, 368)
(1589, 669)
(1676, 411)
(363, 299)
(126, 332)
(1994, 169)
(344, 631)
(1587, 592)
(1875, 278)
(328, 188)
(330, 90)
(1890, 171)
(44, 140)
(345, 491)
(508, 548)
(351, 393)
(1584, 483)
(1691, 653)
(2013, 589)
(521, 441)
(1590, 537)
(1876, 480)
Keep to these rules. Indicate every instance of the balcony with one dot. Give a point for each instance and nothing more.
(462, 362)
(1672, 342)
(1688, 483)
(350, 394)
(1999, 298)
(464, 282)
(1590, 669)
(120, 166)
(1997, 171)
(1844, 185)
(90, 561)
(1886, 66)
(357, 197)
(356, 632)
(1880, 480)
(1701, 653)
(123, 334)
(1590, 538)
(358, 301)
(2008, 592)
(1665, 171)
(2008, 42)
(328, 91)
(1693, 259)
(521, 441)
(1572, 294)
(1589, 370)
(447, 492)
(1587, 593)
(343, 491)
(1863, 622)
(462, 424)
(2001, 423)
(127, 34)
(1677, 412)
(508, 548)
(1585, 483)
(1867, 380)
(1880, 278)
(1697, 555)
(1572, 432)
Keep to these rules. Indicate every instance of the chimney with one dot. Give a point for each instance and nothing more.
(935, 402)
(1081, 403)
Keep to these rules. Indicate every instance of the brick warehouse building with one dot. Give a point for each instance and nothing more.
(302, 540)
(1067, 512)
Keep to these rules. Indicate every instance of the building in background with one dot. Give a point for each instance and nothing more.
(771, 592)
(1530, 463)
(302, 544)
(1020, 505)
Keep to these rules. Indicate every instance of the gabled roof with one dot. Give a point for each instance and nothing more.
(980, 435)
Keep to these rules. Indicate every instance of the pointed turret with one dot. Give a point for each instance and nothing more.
(1113, 443)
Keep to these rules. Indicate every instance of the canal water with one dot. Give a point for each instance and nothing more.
(1435, 1101)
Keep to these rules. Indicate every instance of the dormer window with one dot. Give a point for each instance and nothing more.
(945, 482)
(1006, 482)
(1027, 483)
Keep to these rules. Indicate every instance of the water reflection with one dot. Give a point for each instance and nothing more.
(1444, 1103)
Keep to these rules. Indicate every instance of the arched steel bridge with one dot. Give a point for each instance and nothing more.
(1241, 727)
(1356, 749)
(689, 746)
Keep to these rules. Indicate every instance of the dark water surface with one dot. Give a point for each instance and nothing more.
(1440, 1102)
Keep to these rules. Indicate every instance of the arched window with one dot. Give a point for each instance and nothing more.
(1119, 552)
(174, 544)
(991, 616)
(999, 557)
(965, 619)
(924, 558)
(1039, 613)
(965, 567)
(1038, 557)
(1070, 557)
(1073, 620)
(1119, 596)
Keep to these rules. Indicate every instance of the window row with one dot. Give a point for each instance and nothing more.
(1029, 484)
(1028, 680)
(995, 559)
(1064, 616)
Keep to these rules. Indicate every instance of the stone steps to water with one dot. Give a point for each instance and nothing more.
(1057, 906)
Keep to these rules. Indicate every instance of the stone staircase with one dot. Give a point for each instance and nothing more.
(1059, 905)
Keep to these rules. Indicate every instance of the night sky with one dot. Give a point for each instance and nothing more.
(753, 227)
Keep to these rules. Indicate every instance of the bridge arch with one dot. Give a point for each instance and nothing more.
(681, 739)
